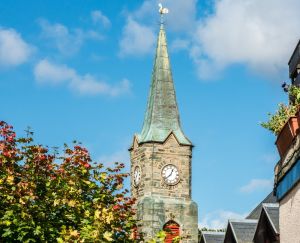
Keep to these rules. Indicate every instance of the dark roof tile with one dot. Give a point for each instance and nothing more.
(256, 212)
(243, 230)
(213, 237)
(272, 210)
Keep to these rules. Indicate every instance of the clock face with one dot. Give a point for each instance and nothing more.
(170, 174)
(137, 175)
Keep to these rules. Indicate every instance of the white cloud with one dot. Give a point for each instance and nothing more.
(179, 44)
(13, 49)
(137, 39)
(66, 41)
(99, 17)
(121, 156)
(181, 16)
(146, 11)
(257, 184)
(139, 33)
(260, 34)
(50, 73)
(219, 219)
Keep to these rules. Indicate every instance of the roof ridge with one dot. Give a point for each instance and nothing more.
(233, 231)
(213, 232)
(271, 205)
(243, 220)
(269, 217)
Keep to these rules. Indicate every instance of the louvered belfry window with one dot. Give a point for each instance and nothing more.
(172, 229)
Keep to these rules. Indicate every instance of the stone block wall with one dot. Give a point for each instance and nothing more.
(155, 211)
(152, 157)
(157, 202)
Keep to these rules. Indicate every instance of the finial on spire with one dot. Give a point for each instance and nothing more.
(162, 11)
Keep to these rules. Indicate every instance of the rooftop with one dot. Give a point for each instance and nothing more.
(243, 230)
(212, 237)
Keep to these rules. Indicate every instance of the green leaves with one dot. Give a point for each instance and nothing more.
(284, 112)
(159, 237)
(46, 198)
(277, 121)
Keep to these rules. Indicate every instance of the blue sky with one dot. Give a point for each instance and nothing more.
(81, 70)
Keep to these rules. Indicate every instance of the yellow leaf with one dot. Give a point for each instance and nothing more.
(7, 222)
(23, 215)
(22, 201)
(107, 235)
(71, 182)
(86, 213)
(103, 176)
(120, 186)
(74, 233)
(60, 240)
(109, 218)
(10, 180)
(72, 203)
(56, 202)
(87, 182)
(97, 214)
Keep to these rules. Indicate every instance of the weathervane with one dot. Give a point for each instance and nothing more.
(162, 11)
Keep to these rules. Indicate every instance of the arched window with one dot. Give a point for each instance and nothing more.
(172, 229)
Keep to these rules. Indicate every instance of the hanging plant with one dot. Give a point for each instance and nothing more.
(278, 120)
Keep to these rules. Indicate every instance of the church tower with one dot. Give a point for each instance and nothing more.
(161, 160)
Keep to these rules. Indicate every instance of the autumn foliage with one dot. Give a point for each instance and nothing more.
(59, 196)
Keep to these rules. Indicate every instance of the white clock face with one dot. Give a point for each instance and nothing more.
(137, 175)
(170, 174)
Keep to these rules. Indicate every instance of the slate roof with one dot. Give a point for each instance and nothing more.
(268, 225)
(256, 212)
(243, 230)
(162, 116)
(272, 211)
(212, 237)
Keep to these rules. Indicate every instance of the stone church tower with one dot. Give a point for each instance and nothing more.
(161, 160)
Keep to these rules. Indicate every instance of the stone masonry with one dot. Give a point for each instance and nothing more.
(157, 202)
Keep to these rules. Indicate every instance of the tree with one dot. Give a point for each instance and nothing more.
(60, 196)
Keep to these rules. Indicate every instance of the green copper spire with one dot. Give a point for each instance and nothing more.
(162, 116)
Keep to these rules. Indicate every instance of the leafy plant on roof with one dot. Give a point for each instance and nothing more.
(284, 112)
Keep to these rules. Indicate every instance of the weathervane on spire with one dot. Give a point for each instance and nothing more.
(162, 11)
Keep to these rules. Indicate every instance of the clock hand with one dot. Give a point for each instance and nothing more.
(170, 174)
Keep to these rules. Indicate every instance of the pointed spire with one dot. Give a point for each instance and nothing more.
(162, 116)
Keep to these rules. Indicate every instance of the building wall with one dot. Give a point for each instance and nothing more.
(157, 202)
(154, 212)
(289, 216)
(152, 157)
